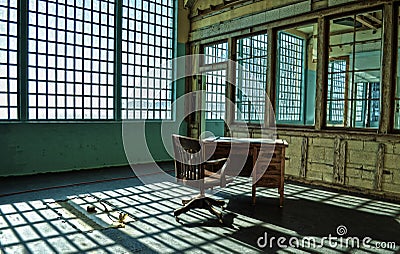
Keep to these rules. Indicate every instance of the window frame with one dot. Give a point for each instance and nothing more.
(350, 72)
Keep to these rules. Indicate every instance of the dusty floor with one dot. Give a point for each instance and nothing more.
(47, 213)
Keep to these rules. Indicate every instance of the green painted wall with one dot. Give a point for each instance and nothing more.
(310, 97)
(47, 147)
(29, 148)
(216, 127)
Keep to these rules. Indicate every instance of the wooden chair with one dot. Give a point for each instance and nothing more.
(192, 170)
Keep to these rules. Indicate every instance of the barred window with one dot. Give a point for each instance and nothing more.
(216, 53)
(215, 80)
(367, 104)
(290, 78)
(336, 90)
(71, 59)
(251, 78)
(8, 60)
(147, 33)
(215, 94)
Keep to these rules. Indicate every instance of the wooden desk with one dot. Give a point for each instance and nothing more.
(264, 160)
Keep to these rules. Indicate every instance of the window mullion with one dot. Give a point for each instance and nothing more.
(23, 59)
(118, 60)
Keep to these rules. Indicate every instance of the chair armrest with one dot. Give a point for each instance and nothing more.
(219, 171)
(216, 161)
(214, 165)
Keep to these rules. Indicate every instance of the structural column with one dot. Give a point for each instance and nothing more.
(322, 66)
(390, 25)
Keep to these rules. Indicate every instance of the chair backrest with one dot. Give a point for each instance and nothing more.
(188, 158)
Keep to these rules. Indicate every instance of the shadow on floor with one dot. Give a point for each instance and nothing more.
(309, 218)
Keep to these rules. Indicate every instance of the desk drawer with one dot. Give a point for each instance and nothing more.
(269, 168)
(269, 157)
(272, 181)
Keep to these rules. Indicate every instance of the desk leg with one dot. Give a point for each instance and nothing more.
(253, 193)
(253, 187)
(282, 183)
(281, 196)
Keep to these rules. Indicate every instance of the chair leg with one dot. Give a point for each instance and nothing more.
(253, 194)
(203, 203)
(281, 196)
(185, 201)
(214, 211)
(194, 203)
(214, 202)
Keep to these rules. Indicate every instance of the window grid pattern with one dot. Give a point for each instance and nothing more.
(362, 46)
(375, 101)
(147, 34)
(8, 60)
(216, 53)
(251, 77)
(336, 90)
(291, 60)
(367, 102)
(360, 95)
(215, 94)
(71, 59)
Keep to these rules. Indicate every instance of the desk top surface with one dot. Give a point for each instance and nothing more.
(245, 140)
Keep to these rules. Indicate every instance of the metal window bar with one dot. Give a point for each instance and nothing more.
(147, 34)
(251, 76)
(8, 60)
(71, 59)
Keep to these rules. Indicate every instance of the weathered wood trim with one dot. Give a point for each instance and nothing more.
(219, 13)
(271, 72)
(322, 66)
(284, 16)
(380, 158)
(340, 133)
(390, 20)
(194, 125)
(230, 85)
(250, 21)
(339, 2)
(347, 134)
(339, 161)
(304, 157)
(189, 3)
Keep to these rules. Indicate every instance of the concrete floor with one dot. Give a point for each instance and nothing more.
(46, 213)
